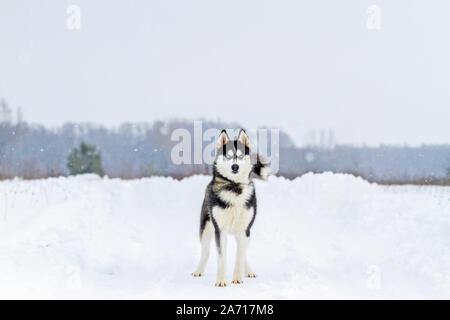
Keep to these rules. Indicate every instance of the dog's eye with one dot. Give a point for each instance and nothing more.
(228, 156)
(241, 156)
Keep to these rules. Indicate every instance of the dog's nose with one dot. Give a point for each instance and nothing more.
(235, 167)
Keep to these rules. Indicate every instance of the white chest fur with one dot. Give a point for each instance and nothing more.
(235, 218)
(237, 200)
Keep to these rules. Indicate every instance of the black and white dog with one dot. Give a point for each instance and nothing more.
(229, 206)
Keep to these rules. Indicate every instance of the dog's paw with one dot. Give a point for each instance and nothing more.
(196, 274)
(221, 284)
(237, 281)
(251, 275)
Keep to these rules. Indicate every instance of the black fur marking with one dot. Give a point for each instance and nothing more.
(258, 166)
(216, 201)
(204, 219)
(230, 186)
(251, 203)
(235, 145)
(240, 146)
(234, 187)
(217, 235)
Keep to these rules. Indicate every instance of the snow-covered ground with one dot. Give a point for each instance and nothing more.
(319, 236)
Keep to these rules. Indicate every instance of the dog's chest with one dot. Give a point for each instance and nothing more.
(237, 197)
(236, 216)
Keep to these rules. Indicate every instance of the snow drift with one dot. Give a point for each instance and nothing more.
(318, 236)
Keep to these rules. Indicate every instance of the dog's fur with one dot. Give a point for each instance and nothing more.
(229, 206)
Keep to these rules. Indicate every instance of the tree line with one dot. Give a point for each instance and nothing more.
(135, 150)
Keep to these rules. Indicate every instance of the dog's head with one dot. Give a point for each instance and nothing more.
(233, 157)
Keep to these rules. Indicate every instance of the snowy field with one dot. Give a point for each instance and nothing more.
(319, 236)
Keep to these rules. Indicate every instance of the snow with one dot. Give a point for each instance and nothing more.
(318, 236)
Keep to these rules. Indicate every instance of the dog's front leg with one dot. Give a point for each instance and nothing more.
(221, 241)
(242, 242)
(248, 271)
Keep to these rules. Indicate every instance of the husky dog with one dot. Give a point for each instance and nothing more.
(229, 206)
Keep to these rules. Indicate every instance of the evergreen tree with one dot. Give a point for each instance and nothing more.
(85, 160)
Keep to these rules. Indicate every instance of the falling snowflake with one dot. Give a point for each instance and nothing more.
(310, 157)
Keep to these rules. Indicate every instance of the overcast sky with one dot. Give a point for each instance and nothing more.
(294, 64)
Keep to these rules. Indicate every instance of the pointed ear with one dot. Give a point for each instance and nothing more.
(223, 139)
(243, 138)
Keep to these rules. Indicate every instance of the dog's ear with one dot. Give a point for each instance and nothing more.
(223, 139)
(243, 138)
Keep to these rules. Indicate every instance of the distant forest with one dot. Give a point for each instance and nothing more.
(136, 150)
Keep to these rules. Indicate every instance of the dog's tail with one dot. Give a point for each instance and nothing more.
(260, 166)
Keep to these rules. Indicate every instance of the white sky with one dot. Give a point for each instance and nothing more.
(296, 65)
